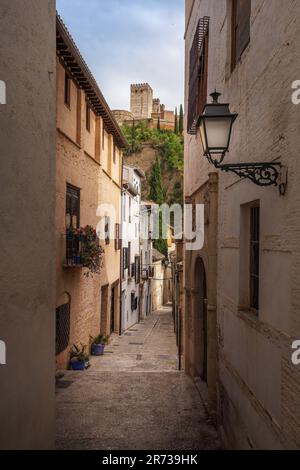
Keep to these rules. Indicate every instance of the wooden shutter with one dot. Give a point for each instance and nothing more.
(241, 15)
(198, 73)
(117, 237)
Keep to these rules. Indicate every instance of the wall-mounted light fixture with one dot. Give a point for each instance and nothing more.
(215, 125)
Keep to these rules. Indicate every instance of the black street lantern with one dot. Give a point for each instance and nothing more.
(215, 125)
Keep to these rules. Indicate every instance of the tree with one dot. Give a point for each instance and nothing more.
(176, 122)
(157, 193)
(158, 124)
(181, 120)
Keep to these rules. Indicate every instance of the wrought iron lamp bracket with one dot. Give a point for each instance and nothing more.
(262, 174)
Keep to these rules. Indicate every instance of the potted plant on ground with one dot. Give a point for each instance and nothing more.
(79, 360)
(98, 345)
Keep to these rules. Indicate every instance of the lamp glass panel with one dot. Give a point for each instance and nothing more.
(218, 133)
(202, 135)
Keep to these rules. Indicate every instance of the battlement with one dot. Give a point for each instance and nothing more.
(140, 87)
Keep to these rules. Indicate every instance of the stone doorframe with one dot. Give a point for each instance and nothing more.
(207, 195)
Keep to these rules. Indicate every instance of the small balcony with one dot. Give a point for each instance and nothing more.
(78, 243)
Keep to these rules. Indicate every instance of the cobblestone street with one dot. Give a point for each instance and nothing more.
(134, 397)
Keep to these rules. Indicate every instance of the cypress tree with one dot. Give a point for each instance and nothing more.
(156, 187)
(157, 194)
(181, 120)
(158, 124)
(176, 122)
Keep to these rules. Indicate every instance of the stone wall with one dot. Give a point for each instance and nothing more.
(258, 396)
(27, 206)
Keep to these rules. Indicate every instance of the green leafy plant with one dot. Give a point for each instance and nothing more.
(78, 353)
(91, 252)
(100, 339)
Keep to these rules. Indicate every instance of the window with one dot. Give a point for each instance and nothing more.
(132, 270)
(241, 14)
(137, 275)
(125, 260)
(67, 91)
(114, 153)
(88, 117)
(62, 336)
(133, 302)
(72, 221)
(117, 237)
(198, 73)
(129, 254)
(103, 135)
(72, 207)
(254, 256)
(107, 230)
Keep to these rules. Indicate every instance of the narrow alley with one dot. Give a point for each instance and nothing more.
(134, 397)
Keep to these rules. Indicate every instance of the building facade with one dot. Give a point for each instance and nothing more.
(146, 109)
(146, 247)
(242, 288)
(131, 260)
(158, 280)
(88, 175)
(27, 147)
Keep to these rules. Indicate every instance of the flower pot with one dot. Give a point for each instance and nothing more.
(97, 349)
(77, 365)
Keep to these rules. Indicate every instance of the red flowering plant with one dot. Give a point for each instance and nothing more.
(91, 252)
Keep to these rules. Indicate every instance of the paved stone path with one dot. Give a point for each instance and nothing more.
(134, 397)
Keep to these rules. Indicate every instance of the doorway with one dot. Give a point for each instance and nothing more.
(104, 312)
(200, 317)
(112, 310)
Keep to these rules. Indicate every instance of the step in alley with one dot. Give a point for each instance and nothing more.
(134, 397)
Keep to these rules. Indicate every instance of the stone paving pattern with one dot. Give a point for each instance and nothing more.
(134, 397)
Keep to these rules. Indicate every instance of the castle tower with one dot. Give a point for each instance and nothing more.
(141, 100)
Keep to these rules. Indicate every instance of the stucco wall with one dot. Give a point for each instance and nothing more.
(27, 148)
(259, 385)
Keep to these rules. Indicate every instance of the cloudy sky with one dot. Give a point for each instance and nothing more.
(130, 41)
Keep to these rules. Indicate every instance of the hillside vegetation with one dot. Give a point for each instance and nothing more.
(159, 153)
(167, 154)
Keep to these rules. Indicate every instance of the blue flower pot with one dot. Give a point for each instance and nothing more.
(76, 365)
(97, 349)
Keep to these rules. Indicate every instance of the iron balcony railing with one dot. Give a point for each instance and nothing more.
(76, 246)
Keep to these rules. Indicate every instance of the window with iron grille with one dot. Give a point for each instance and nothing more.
(62, 328)
(72, 207)
(240, 35)
(198, 69)
(72, 219)
(254, 256)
